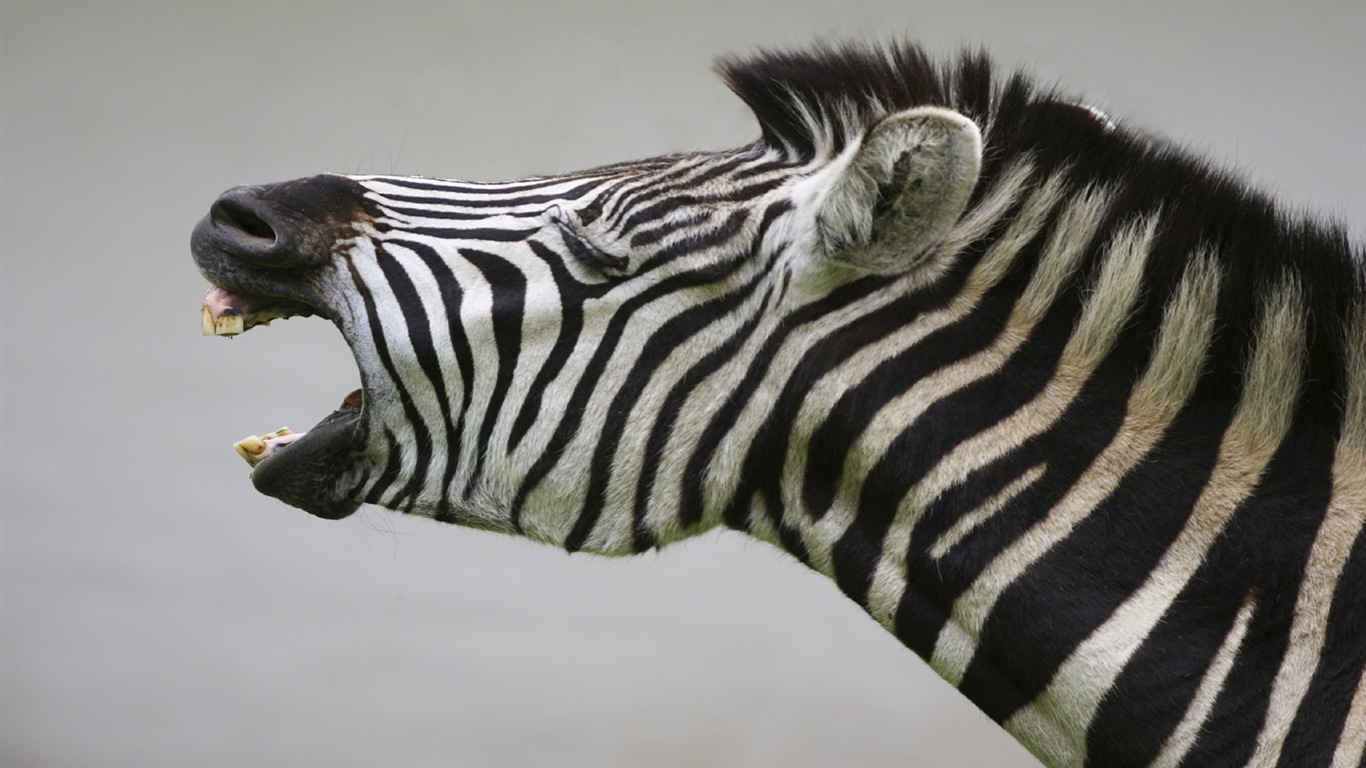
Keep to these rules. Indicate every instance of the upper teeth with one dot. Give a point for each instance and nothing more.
(222, 325)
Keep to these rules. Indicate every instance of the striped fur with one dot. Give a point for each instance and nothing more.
(1099, 456)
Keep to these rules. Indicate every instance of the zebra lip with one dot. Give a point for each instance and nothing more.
(305, 472)
(227, 313)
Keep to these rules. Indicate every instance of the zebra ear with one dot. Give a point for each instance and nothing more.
(900, 191)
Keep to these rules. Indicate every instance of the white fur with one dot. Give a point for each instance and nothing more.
(976, 517)
(1097, 331)
(1337, 534)
(1183, 737)
(1063, 252)
(1352, 746)
(901, 412)
(1064, 710)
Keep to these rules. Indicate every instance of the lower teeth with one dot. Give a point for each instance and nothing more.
(257, 449)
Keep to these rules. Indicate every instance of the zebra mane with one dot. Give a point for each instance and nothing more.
(815, 101)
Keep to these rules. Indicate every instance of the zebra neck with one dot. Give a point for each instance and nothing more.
(1035, 510)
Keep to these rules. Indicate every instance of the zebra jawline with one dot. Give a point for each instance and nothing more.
(308, 472)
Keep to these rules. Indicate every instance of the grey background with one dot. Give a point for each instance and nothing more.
(157, 612)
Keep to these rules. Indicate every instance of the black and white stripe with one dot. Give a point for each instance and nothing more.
(1098, 456)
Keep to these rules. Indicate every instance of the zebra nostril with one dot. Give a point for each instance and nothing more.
(237, 216)
(245, 224)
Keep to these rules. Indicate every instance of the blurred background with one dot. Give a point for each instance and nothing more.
(158, 612)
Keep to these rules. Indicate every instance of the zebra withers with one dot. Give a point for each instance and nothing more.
(1077, 417)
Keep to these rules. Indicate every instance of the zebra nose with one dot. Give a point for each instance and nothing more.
(245, 223)
(236, 212)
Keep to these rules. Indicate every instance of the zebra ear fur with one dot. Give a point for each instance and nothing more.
(900, 191)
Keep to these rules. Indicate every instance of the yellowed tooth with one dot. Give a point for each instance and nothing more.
(206, 322)
(255, 449)
(229, 325)
(250, 448)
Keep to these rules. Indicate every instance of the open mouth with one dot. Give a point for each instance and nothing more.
(304, 469)
(262, 248)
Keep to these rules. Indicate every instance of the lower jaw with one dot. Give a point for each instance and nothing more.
(309, 470)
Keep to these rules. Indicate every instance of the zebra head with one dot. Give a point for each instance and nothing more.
(536, 356)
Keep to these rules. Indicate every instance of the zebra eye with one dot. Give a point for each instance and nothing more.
(590, 213)
(589, 254)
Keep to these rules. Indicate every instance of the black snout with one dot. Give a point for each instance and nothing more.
(279, 226)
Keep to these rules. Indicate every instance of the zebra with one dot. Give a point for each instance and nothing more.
(1075, 415)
